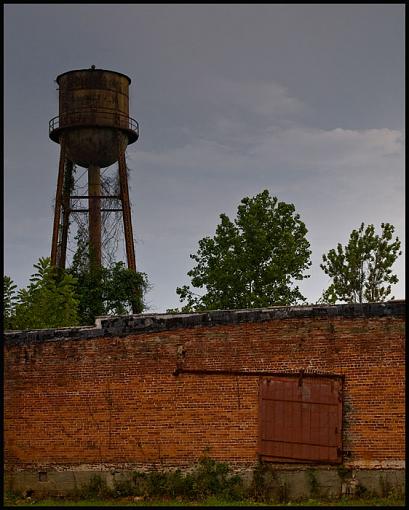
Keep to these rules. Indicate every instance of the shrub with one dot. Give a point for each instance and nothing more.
(208, 478)
(96, 488)
(264, 482)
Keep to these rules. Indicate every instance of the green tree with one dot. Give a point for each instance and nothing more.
(105, 290)
(49, 300)
(361, 271)
(251, 262)
(124, 290)
(9, 302)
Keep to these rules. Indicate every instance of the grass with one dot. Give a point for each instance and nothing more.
(211, 501)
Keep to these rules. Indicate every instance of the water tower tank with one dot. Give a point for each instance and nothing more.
(93, 116)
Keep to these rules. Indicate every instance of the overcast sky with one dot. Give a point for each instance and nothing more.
(306, 101)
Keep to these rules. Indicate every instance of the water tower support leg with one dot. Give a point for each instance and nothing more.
(57, 207)
(66, 209)
(126, 210)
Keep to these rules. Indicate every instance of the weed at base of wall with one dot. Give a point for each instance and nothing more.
(312, 482)
(267, 486)
(209, 478)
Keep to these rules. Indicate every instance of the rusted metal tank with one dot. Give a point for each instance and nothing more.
(93, 116)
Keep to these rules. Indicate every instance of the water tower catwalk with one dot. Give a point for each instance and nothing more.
(93, 129)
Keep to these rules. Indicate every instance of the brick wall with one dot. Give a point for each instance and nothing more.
(110, 395)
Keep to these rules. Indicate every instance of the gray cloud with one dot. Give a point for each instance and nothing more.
(305, 100)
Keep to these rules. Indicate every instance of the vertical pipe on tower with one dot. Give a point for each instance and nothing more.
(94, 220)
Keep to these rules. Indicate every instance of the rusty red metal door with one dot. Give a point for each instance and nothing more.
(300, 419)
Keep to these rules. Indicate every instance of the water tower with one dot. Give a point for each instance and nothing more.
(93, 129)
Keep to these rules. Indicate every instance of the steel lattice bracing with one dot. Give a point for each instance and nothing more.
(64, 209)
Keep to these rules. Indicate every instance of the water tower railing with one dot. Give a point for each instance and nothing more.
(93, 117)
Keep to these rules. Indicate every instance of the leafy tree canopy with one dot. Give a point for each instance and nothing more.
(252, 261)
(60, 298)
(48, 301)
(361, 271)
(109, 290)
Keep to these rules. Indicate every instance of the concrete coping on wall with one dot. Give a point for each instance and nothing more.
(110, 326)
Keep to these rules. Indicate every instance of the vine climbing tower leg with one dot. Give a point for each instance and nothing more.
(66, 209)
